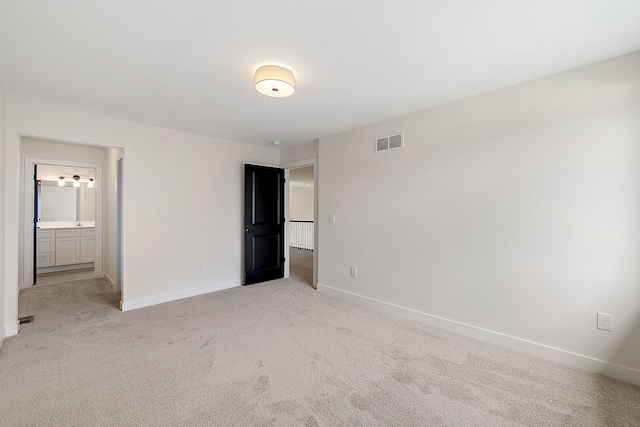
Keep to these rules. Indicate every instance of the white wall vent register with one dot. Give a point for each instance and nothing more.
(390, 142)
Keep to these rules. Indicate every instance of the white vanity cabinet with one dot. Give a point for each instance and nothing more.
(67, 247)
(87, 245)
(46, 248)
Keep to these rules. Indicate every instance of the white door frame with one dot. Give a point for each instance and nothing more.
(120, 225)
(295, 165)
(27, 219)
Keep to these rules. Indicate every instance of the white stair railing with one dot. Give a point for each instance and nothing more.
(301, 234)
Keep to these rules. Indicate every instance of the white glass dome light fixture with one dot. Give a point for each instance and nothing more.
(275, 81)
(61, 181)
(76, 181)
(91, 183)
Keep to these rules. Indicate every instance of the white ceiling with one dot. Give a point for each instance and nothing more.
(189, 64)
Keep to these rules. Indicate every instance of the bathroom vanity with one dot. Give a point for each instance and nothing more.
(65, 246)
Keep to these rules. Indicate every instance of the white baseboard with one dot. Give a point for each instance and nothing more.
(110, 281)
(174, 296)
(8, 331)
(557, 355)
(69, 267)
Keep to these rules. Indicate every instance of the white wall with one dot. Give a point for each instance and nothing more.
(517, 212)
(182, 199)
(301, 203)
(5, 321)
(296, 153)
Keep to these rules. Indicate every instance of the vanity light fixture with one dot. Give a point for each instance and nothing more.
(77, 181)
(275, 81)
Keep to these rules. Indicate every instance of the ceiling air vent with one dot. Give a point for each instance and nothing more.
(390, 142)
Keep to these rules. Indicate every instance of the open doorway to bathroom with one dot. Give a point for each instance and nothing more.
(301, 223)
(70, 234)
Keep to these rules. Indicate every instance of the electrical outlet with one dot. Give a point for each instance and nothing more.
(605, 322)
(200, 267)
(354, 271)
(332, 218)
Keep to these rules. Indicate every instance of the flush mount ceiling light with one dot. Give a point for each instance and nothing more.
(76, 181)
(91, 183)
(61, 181)
(275, 81)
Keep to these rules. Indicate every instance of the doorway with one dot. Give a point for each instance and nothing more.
(88, 162)
(301, 225)
(295, 237)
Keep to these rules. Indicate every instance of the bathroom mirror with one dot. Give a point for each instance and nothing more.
(65, 203)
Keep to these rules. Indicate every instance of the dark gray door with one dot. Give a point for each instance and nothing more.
(263, 223)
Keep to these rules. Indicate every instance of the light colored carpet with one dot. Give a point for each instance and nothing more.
(276, 353)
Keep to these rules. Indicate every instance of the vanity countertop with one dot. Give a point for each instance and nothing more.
(57, 225)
